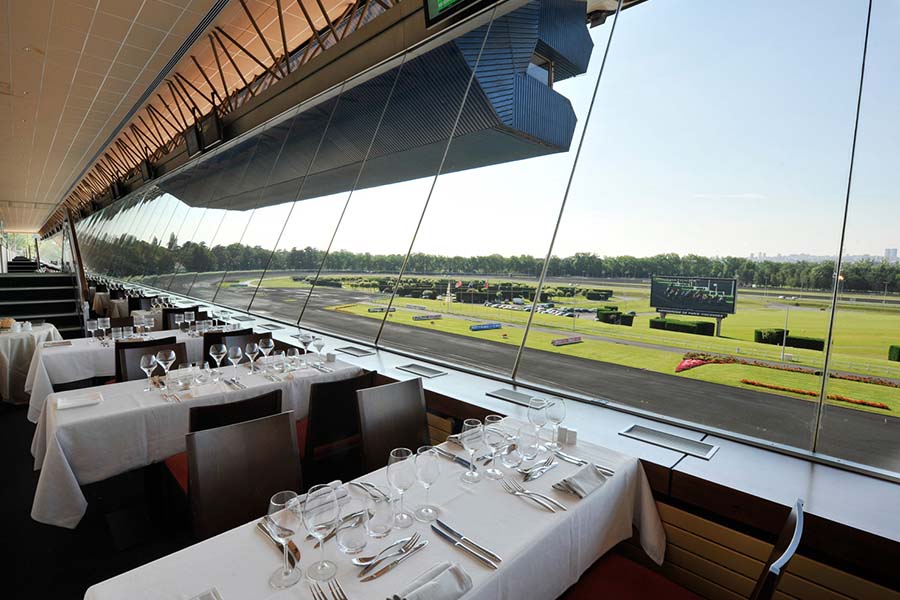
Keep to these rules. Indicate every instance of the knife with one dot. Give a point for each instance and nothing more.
(485, 560)
(399, 560)
(457, 459)
(581, 462)
(471, 542)
(532, 475)
(293, 550)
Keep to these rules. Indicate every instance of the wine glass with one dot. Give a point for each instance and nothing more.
(472, 438)
(428, 470)
(320, 515)
(165, 358)
(92, 327)
(266, 345)
(218, 352)
(537, 416)
(148, 363)
(496, 439)
(556, 413)
(281, 511)
(318, 344)
(234, 357)
(251, 351)
(179, 319)
(189, 319)
(305, 340)
(401, 475)
(104, 325)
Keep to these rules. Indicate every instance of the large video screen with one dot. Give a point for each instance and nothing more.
(693, 294)
(438, 10)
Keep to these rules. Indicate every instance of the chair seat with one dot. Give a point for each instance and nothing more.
(325, 449)
(178, 467)
(614, 577)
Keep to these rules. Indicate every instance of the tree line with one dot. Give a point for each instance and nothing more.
(130, 257)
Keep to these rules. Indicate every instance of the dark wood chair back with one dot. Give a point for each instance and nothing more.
(201, 418)
(391, 416)
(211, 338)
(234, 470)
(116, 294)
(781, 555)
(142, 303)
(332, 448)
(168, 315)
(121, 345)
(231, 340)
(131, 359)
(121, 322)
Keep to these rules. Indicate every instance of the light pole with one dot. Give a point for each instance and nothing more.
(784, 334)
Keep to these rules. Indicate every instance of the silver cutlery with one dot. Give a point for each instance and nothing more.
(527, 470)
(471, 552)
(336, 590)
(364, 561)
(406, 547)
(581, 462)
(237, 383)
(351, 520)
(563, 486)
(370, 488)
(532, 475)
(469, 541)
(293, 550)
(317, 592)
(511, 490)
(450, 456)
(517, 486)
(396, 562)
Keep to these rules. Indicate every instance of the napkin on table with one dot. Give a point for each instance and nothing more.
(81, 400)
(443, 581)
(585, 480)
(340, 492)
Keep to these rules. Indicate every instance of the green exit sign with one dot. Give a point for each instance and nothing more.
(438, 10)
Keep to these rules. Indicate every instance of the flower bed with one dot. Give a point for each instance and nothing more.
(837, 397)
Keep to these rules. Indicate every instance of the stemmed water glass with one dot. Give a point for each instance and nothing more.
(320, 515)
(218, 352)
(496, 439)
(556, 413)
(266, 345)
(472, 439)
(179, 319)
(92, 327)
(537, 416)
(305, 339)
(251, 351)
(103, 324)
(148, 363)
(318, 344)
(165, 358)
(282, 513)
(401, 475)
(189, 319)
(428, 470)
(234, 357)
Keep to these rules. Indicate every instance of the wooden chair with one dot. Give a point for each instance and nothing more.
(121, 322)
(201, 418)
(168, 314)
(116, 294)
(211, 338)
(614, 576)
(391, 416)
(121, 345)
(131, 359)
(242, 340)
(143, 303)
(329, 439)
(234, 470)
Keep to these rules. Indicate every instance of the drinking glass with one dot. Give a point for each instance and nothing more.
(472, 439)
(234, 357)
(428, 470)
(189, 319)
(495, 438)
(293, 357)
(318, 344)
(320, 515)
(529, 443)
(104, 324)
(92, 327)
(117, 333)
(281, 511)
(537, 416)
(278, 364)
(351, 535)
(218, 352)
(266, 345)
(165, 358)
(381, 517)
(305, 340)
(401, 475)
(251, 351)
(149, 323)
(511, 454)
(202, 374)
(179, 319)
(148, 363)
(556, 413)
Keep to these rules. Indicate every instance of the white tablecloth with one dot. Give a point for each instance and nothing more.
(543, 553)
(130, 429)
(100, 303)
(82, 360)
(118, 308)
(16, 350)
(156, 314)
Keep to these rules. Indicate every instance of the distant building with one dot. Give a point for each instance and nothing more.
(890, 255)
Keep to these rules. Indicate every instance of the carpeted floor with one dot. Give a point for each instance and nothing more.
(128, 523)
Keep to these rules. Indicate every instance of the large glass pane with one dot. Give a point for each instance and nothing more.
(859, 419)
(703, 159)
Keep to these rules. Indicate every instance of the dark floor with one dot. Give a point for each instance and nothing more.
(127, 524)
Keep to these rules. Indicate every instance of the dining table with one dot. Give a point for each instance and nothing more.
(81, 359)
(105, 306)
(541, 553)
(16, 351)
(88, 435)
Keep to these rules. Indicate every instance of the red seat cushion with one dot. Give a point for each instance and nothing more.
(614, 577)
(178, 467)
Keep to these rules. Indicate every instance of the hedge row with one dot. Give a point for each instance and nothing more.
(695, 327)
(614, 317)
(770, 336)
(810, 343)
(777, 337)
(894, 353)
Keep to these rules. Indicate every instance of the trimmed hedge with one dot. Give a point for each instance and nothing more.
(614, 317)
(598, 294)
(894, 353)
(809, 343)
(770, 336)
(695, 327)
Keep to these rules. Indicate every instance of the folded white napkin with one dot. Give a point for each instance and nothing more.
(343, 496)
(585, 480)
(209, 389)
(81, 400)
(56, 344)
(443, 581)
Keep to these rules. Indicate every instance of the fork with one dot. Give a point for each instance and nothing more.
(511, 490)
(402, 550)
(336, 590)
(546, 463)
(317, 592)
(518, 487)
